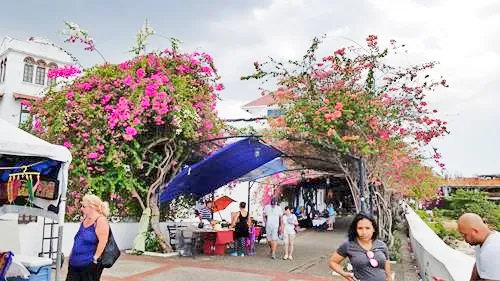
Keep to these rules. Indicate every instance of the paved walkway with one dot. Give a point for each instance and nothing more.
(312, 251)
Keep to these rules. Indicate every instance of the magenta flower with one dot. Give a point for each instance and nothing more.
(145, 103)
(219, 87)
(70, 95)
(183, 69)
(65, 72)
(105, 99)
(93, 155)
(131, 131)
(67, 144)
(128, 80)
(38, 124)
(206, 69)
(140, 73)
(26, 103)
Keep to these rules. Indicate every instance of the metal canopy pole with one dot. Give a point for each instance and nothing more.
(250, 184)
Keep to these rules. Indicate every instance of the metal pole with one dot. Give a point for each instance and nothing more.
(249, 189)
(59, 251)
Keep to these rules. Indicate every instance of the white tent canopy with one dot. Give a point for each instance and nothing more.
(15, 141)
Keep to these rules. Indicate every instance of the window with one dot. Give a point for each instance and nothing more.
(3, 70)
(25, 219)
(28, 69)
(274, 112)
(40, 75)
(24, 115)
(51, 81)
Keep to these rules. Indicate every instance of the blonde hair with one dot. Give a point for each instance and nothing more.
(100, 206)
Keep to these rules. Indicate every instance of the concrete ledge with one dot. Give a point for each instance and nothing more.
(153, 254)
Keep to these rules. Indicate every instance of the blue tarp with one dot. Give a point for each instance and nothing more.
(227, 164)
(268, 169)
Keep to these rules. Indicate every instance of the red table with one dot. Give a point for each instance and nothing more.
(215, 242)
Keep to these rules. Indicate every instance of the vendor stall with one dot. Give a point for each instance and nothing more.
(33, 181)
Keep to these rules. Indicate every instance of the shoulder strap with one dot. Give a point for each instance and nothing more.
(95, 223)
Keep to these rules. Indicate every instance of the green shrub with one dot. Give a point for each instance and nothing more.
(152, 242)
(466, 201)
(395, 250)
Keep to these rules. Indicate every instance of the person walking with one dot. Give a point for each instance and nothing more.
(90, 241)
(331, 216)
(273, 219)
(368, 255)
(241, 224)
(290, 222)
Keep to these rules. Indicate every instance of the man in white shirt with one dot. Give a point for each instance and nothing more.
(273, 218)
(477, 233)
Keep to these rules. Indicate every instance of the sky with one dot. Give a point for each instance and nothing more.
(464, 36)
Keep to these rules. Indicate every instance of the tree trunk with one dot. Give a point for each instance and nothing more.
(155, 224)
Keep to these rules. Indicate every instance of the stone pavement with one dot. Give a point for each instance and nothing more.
(140, 268)
(312, 251)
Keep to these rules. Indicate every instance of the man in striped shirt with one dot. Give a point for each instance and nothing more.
(205, 212)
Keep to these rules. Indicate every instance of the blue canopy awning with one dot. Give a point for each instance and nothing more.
(227, 164)
(272, 167)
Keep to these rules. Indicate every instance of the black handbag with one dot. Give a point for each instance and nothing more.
(111, 252)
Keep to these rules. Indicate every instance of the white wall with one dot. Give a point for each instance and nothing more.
(30, 236)
(239, 194)
(26, 239)
(434, 257)
(259, 111)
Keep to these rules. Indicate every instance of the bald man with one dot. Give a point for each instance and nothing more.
(477, 233)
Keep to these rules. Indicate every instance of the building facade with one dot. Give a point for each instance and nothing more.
(23, 74)
(262, 107)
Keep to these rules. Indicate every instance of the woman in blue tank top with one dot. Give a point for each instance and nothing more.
(90, 241)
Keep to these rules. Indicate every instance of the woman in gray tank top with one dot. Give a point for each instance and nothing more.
(368, 255)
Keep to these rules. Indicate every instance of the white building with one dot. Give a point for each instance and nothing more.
(23, 73)
(262, 107)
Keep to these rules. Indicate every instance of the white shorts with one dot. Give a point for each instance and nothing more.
(272, 233)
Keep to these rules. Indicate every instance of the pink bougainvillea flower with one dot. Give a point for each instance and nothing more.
(145, 103)
(339, 106)
(131, 131)
(183, 69)
(70, 95)
(383, 134)
(84, 86)
(26, 103)
(38, 124)
(64, 72)
(140, 73)
(67, 144)
(219, 87)
(207, 125)
(206, 69)
(93, 155)
(340, 52)
(128, 80)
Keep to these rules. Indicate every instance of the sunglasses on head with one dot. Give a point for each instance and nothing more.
(371, 257)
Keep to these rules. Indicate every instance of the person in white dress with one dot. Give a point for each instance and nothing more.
(290, 222)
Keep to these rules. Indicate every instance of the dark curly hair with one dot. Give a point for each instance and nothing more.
(353, 234)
